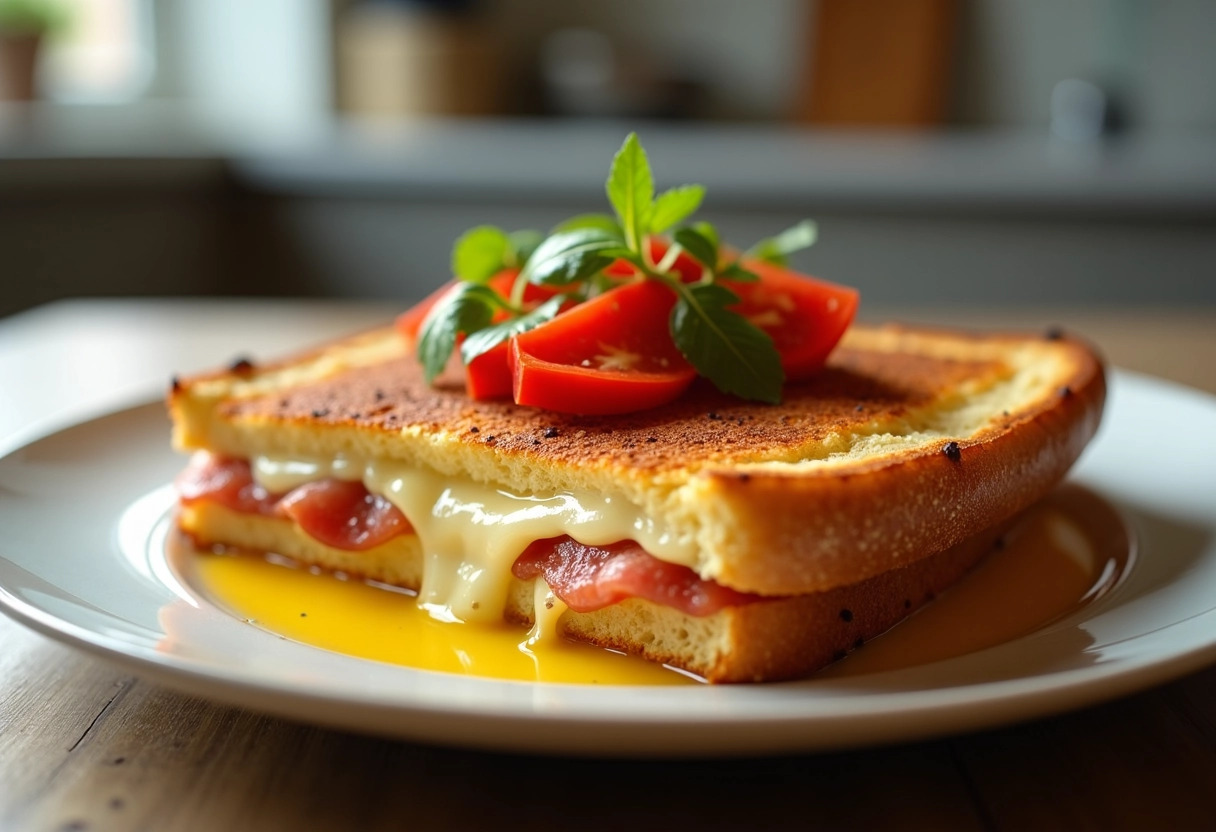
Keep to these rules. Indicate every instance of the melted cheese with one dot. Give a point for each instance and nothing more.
(472, 532)
(547, 613)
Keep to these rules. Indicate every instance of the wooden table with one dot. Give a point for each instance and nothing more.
(85, 746)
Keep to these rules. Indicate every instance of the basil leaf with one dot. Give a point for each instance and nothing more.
(737, 356)
(523, 244)
(675, 206)
(777, 249)
(604, 222)
(486, 339)
(738, 274)
(480, 253)
(630, 189)
(467, 307)
(571, 256)
(702, 249)
(708, 231)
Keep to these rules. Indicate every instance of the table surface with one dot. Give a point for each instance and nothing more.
(84, 745)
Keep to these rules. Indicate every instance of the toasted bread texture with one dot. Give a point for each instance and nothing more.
(909, 443)
(763, 641)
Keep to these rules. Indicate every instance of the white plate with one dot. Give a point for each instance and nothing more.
(83, 513)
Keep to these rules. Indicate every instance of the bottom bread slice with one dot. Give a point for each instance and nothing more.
(768, 640)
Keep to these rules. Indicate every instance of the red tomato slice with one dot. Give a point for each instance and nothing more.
(489, 375)
(688, 268)
(804, 317)
(410, 321)
(611, 354)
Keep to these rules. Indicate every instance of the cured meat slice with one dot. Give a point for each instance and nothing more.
(344, 514)
(588, 578)
(228, 482)
(338, 513)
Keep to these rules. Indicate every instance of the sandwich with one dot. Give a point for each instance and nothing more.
(559, 443)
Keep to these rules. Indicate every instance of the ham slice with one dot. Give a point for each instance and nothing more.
(338, 513)
(588, 578)
(344, 514)
(228, 482)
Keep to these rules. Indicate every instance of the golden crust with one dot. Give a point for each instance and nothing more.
(845, 480)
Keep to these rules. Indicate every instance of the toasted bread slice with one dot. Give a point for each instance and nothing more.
(763, 641)
(909, 443)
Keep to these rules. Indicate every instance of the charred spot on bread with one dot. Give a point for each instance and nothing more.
(846, 615)
(953, 452)
(241, 365)
(552, 432)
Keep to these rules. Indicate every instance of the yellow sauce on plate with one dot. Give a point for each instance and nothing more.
(374, 621)
(1064, 553)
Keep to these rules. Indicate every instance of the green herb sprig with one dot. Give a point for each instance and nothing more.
(723, 346)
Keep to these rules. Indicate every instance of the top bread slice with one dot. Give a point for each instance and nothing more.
(909, 442)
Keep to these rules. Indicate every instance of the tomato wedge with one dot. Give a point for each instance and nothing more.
(805, 317)
(685, 266)
(611, 354)
(410, 321)
(488, 376)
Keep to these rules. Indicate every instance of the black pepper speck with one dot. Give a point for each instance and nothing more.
(953, 452)
(552, 433)
(846, 615)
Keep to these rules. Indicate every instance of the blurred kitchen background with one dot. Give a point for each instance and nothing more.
(953, 151)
